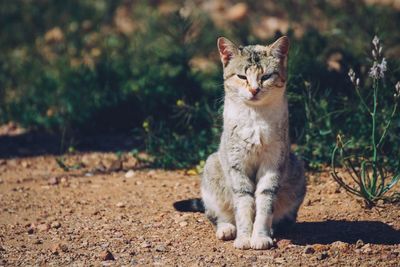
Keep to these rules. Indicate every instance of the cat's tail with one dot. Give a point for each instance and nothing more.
(190, 205)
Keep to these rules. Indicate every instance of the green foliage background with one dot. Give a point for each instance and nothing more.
(67, 65)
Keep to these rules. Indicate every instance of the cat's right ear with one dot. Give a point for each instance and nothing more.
(227, 50)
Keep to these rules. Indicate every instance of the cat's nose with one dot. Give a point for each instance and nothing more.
(254, 91)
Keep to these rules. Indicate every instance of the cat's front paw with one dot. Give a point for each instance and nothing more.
(242, 242)
(226, 231)
(261, 242)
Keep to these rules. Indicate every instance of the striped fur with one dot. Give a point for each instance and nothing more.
(253, 182)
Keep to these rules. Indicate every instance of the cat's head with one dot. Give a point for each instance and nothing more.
(254, 74)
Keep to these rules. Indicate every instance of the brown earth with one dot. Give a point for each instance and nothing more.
(110, 212)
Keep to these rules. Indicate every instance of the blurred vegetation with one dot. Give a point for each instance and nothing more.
(151, 67)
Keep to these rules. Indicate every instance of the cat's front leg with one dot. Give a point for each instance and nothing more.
(243, 200)
(267, 188)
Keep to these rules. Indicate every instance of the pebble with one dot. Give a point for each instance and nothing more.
(55, 225)
(43, 227)
(106, 255)
(145, 244)
(283, 243)
(339, 245)
(120, 205)
(53, 181)
(322, 255)
(129, 174)
(279, 260)
(309, 250)
(183, 224)
(57, 248)
(161, 248)
(25, 164)
(37, 241)
(359, 243)
(366, 249)
(31, 230)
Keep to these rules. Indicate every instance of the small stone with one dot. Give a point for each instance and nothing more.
(31, 230)
(37, 242)
(129, 174)
(55, 225)
(309, 250)
(120, 205)
(43, 227)
(53, 181)
(279, 260)
(339, 245)
(106, 255)
(283, 243)
(146, 244)
(366, 249)
(323, 255)
(160, 248)
(25, 164)
(359, 243)
(183, 224)
(63, 248)
(57, 248)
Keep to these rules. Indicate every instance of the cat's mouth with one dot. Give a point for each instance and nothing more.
(254, 98)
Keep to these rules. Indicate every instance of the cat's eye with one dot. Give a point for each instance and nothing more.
(267, 76)
(243, 77)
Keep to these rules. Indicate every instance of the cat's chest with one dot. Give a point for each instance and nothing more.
(253, 131)
(253, 135)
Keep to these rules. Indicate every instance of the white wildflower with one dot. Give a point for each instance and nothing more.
(375, 41)
(352, 75)
(378, 70)
(374, 54)
(397, 90)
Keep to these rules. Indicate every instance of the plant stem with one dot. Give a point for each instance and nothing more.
(375, 154)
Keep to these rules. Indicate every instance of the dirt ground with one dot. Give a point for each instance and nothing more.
(110, 212)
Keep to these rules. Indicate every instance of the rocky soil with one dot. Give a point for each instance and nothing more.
(108, 211)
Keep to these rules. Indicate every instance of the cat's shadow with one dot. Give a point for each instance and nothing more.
(326, 232)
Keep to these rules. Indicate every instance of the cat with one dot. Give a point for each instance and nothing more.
(253, 183)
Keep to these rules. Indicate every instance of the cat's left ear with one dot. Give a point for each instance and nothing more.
(227, 50)
(280, 48)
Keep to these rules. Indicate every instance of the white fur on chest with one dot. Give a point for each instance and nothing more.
(257, 142)
(256, 126)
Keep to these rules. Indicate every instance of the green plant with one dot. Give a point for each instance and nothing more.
(367, 167)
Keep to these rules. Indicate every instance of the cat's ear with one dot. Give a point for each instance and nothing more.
(280, 48)
(227, 50)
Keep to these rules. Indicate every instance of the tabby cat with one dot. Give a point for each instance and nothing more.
(253, 183)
